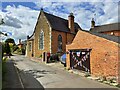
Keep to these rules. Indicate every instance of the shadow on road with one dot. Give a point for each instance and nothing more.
(17, 79)
(11, 79)
(29, 81)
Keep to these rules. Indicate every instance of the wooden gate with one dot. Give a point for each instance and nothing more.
(80, 59)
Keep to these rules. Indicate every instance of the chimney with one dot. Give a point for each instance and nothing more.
(71, 23)
(27, 37)
(92, 23)
(41, 9)
(19, 41)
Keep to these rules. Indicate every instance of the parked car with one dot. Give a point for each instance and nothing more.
(63, 59)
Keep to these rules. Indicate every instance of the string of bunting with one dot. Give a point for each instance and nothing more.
(79, 63)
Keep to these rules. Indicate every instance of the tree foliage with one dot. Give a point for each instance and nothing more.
(10, 40)
(7, 48)
(15, 48)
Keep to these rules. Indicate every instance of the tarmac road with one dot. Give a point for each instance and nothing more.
(51, 76)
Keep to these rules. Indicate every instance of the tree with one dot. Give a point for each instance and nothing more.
(15, 48)
(10, 40)
(7, 48)
(11, 43)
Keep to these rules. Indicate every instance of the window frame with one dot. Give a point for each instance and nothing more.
(60, 43)
(41, 38)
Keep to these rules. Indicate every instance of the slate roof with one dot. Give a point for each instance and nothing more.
(57, 23)
(106, 36)
(107, 27)
(60, 24)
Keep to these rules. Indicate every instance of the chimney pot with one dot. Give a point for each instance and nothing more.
(27, 36)
(71, 22)
(92, 23)
(19, 41)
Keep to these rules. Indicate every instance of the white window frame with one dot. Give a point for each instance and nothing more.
(39, 47)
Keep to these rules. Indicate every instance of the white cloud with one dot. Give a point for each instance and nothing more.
(11, 21)
(106, 12)
(20, 21)
(111, 14)
(103, 12)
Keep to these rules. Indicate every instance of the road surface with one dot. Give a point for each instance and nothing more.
(51, 76)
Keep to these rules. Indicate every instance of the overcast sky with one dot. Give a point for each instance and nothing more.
(20, 17)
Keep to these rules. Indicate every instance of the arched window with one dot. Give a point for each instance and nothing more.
(59, 43)
(41, 40)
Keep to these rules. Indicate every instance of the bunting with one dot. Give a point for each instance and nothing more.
(83, 59)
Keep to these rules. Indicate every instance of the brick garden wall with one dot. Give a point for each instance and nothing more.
(103, 56)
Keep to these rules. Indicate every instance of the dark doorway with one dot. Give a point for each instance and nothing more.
(44, 56)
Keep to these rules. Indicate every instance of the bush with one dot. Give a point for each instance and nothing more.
(15, 48)
(18, 51)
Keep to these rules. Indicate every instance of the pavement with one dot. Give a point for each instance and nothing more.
(15, 78)
(11, 77)
(32, 73)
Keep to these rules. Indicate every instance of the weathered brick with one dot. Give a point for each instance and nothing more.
(103, 56)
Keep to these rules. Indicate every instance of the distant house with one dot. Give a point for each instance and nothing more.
(51, 34)
(22, 46)
(111, 29)
(96, 51)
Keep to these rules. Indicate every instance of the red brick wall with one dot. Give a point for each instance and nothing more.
(50, 37)
(71, 23)
(67, 38)
(70, 38)
(115, 32)
(54, 42)
(103, 56)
